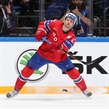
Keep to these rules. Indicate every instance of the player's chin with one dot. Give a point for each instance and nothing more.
(68, 28)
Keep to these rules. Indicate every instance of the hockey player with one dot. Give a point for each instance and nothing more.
(61, 35)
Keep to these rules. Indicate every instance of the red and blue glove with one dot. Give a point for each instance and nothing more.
(55, 45)
(39, 34)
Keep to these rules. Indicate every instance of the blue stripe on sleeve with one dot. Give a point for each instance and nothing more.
(47, 25)
(68, 43)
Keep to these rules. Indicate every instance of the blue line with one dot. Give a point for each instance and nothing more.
(32, 39)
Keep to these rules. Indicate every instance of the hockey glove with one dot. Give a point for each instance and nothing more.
(55, 45)
(39, 34)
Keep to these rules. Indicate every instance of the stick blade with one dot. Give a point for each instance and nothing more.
(93, 62)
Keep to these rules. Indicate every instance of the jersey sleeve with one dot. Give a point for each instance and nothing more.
(46, 25)
(67, 44)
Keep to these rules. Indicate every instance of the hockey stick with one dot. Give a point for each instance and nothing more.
(71, 54)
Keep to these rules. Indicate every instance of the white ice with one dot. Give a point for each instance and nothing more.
(59, 101)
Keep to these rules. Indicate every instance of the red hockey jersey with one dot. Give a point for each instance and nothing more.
(55, 35)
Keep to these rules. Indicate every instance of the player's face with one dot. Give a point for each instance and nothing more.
(68, 24)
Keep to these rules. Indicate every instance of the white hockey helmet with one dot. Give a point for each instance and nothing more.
(71, 16)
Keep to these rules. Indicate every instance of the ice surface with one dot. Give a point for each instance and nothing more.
(59, 101)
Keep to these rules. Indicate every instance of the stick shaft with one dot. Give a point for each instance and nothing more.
(72, 56)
